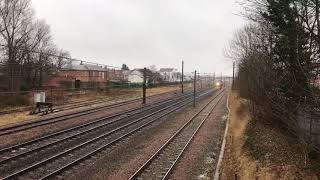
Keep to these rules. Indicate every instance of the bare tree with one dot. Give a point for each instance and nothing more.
(26, 45)
(257, 81)
(278, 57)
(43, 47)
(15, 30)
(62, 59)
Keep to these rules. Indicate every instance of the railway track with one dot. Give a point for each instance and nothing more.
(72, 105)
(58, 108)
(37, 123)
(162, 163)
(50, 156)
(95, 102)
(98, 122)
(81, 104)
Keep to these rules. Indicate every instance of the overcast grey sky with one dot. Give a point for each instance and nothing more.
(144, 32)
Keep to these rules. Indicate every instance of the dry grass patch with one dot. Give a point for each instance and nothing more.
(112, 95)
(162, 89)
(256, 151)
(14, 118)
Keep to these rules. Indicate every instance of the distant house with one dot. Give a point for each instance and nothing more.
(115, 75)
(136, 76)
(188, 77)
(125, 74)
(170, 74)
(85, 75)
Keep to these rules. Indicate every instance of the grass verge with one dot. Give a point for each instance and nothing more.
(116, 95)
(257, 151)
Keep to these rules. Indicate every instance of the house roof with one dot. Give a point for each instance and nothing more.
(126, 72)
(83, 67)
(167, 69)
(149, 73)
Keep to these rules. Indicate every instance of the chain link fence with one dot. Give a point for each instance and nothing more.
(309, 122)
(63, 80)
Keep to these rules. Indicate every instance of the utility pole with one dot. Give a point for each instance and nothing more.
(199, 83)
(182, 77)
(194, 88)
(144, 86)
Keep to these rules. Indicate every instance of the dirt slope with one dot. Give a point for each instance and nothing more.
(256, 151)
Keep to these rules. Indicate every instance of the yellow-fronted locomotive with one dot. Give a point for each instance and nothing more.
(218, 84)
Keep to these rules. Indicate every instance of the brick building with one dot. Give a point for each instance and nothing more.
(85, 75)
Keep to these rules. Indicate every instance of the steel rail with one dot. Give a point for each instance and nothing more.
(189, 142)
(75, 105)
(19, 146)
(55, 119)
(89, 103)
(102, 136)
(164, 146)
(72, 105)
(94, 122)
(59, 108)
(80, 104)
(60, 170)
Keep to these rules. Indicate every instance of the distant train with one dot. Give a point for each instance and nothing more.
(218, 84)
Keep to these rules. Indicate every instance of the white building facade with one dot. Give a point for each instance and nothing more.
(135, 76)
(170, 74)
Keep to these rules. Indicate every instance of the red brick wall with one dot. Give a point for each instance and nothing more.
(115, 75)
(75, 75)
(98, 76)
(86, 76)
